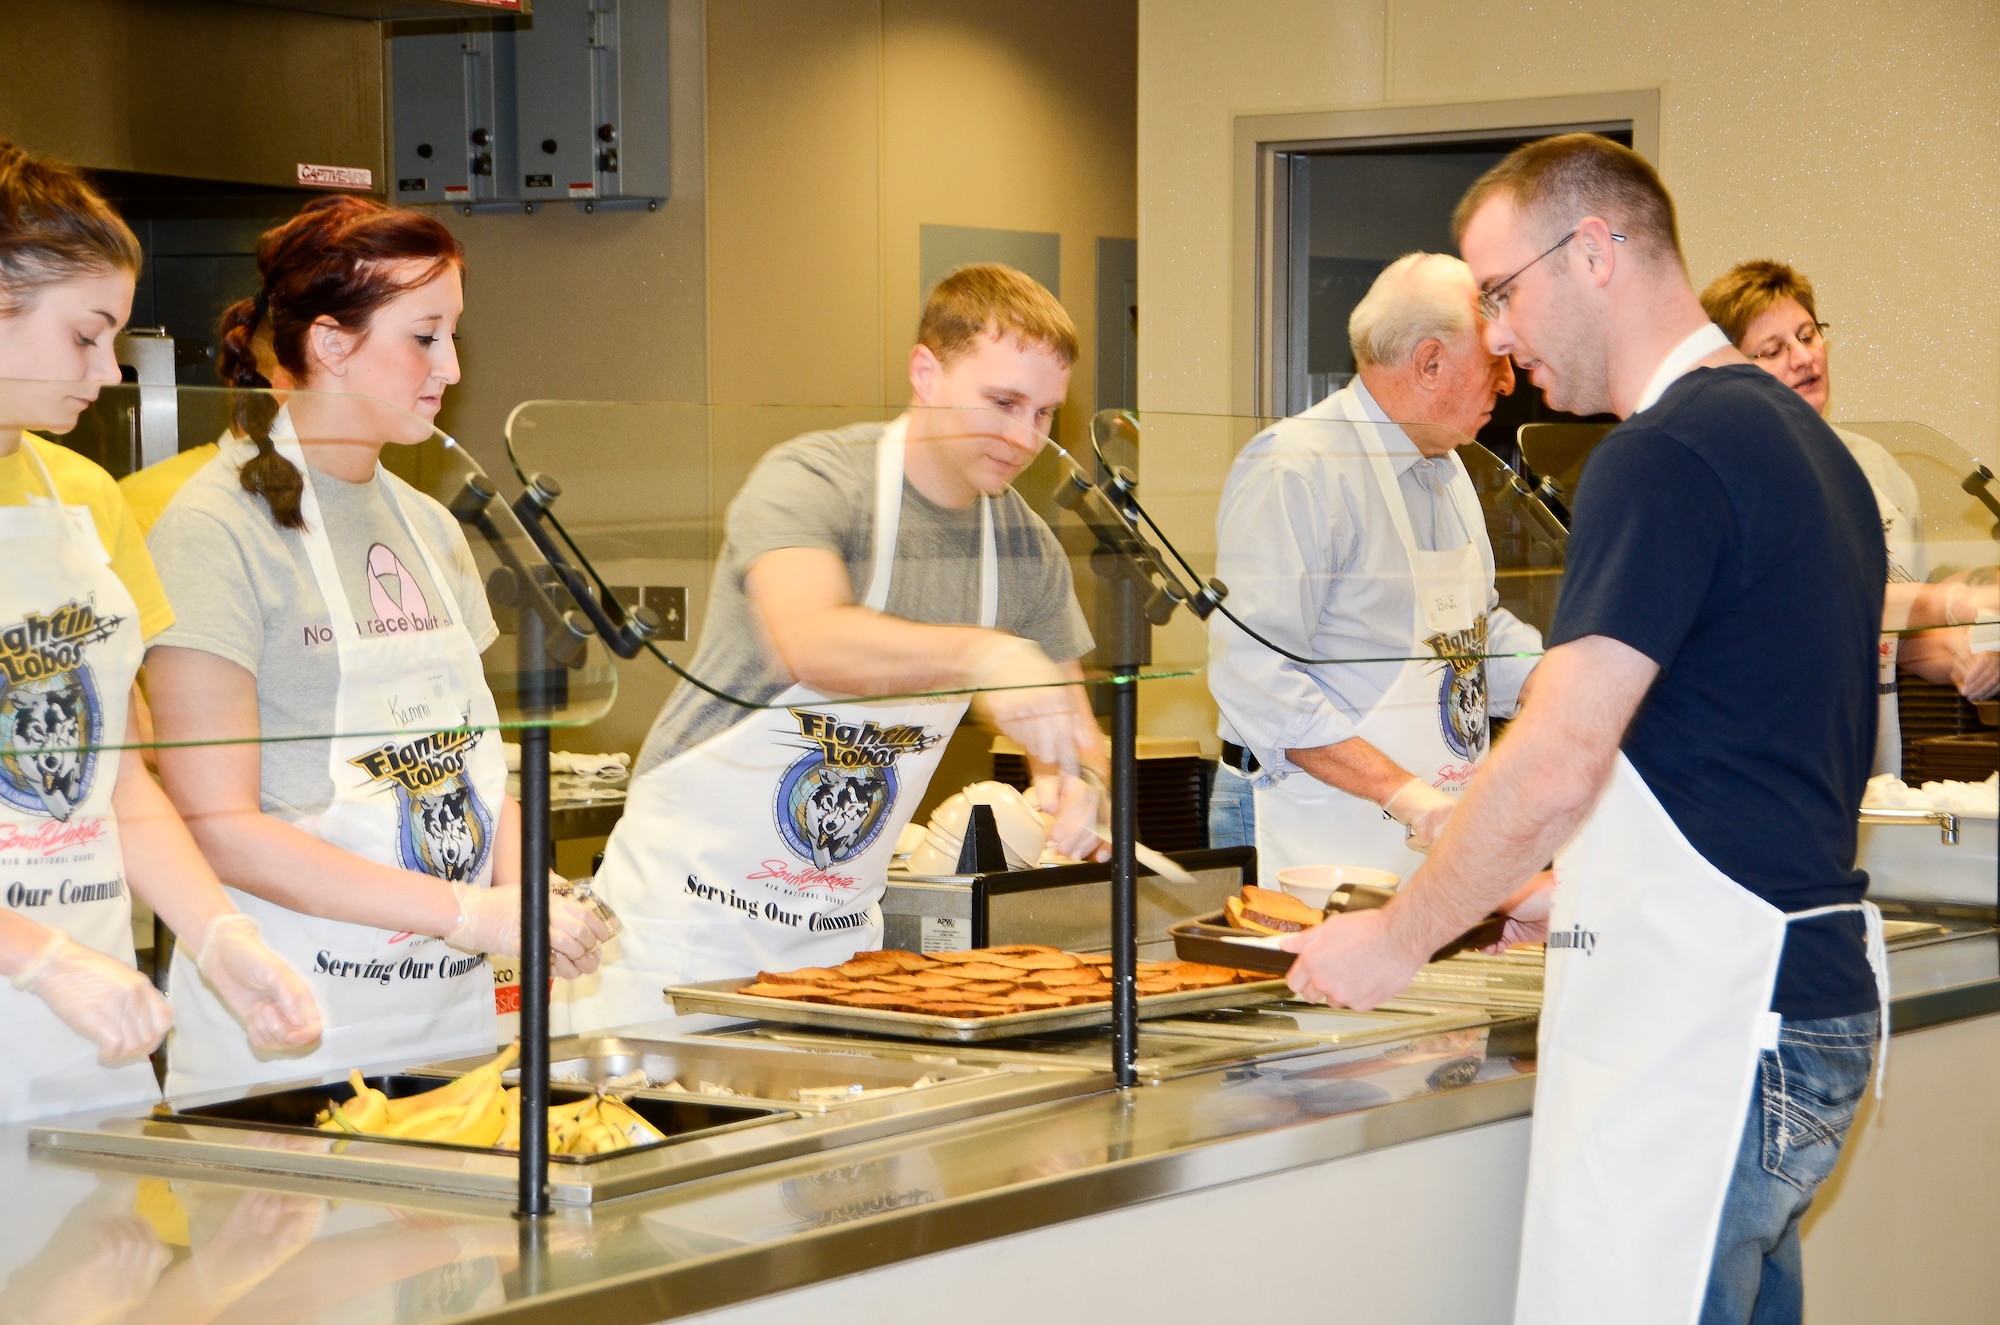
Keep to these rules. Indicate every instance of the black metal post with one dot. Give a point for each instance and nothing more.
(535, 703)
(1125, 876)
(1127, 646)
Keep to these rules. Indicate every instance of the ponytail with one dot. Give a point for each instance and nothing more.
(267, 475)
(333, 260)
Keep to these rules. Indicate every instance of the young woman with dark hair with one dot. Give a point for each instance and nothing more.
(318, 594)
(80, 819)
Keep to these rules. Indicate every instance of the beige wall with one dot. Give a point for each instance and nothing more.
(1853, 139)
(839, 127)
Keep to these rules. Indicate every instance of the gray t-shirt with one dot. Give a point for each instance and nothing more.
(242, 589)
(819, 491)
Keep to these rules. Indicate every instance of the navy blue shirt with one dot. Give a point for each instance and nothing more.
(1726, 534)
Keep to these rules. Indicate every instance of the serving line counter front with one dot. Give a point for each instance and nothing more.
(1334, 1162)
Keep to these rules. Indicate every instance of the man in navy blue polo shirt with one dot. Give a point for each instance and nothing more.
(1693, 752)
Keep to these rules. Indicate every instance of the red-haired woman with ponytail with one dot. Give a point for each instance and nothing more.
(316, 593)
(81, 820)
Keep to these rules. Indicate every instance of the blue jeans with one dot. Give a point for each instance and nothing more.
(1804, 1101)
(1232, 814)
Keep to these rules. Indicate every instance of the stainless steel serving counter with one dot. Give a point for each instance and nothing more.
(1352, 1171)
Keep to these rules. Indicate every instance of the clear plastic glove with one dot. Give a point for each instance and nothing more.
(1977, 675)
(1422, 809)
(1080, 815)
(1028, 698)
(258, 987)
(489, 921)
(105, 1001)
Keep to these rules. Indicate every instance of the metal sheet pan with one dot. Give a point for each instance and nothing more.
(720, 997)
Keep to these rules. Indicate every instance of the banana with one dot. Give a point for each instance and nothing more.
(565, 1121)
(465, 1089)
(484, 1127)
(620, 1117)
(366, 1112)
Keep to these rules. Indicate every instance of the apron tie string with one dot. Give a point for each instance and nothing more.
(1878, 962)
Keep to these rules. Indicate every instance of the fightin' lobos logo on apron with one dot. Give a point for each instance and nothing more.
(444, 829)
(51, 719)
(833, 800)
(1462, 688)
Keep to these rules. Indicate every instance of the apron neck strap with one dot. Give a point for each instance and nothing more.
(319, 547)
(32, 459)
(1700, 343)
(888, 524)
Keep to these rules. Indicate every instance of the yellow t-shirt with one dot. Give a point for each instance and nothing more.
(80, 482)
(148, 491)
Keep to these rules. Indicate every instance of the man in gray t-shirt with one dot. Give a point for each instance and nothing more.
(818, 491)
(759, 839)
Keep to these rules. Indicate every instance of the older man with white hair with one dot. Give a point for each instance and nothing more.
(1352, 542)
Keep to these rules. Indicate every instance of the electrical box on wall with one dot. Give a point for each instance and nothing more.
(453, 88)
(591, 102)
(570, 106)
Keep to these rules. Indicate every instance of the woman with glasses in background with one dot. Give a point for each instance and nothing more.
(1767, 309)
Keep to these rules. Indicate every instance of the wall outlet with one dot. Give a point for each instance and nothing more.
(668, 602)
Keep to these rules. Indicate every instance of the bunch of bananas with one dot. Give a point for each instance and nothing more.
(475, 1110)
(593, 1125)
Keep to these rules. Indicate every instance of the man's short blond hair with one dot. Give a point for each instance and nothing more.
(1748, 290)
(1556, 182)
(1418, 297)
(986, 298)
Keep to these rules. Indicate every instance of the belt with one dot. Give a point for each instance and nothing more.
(1236, 757)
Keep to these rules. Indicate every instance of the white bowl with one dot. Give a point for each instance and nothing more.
(1313, 884)
(1022, 832)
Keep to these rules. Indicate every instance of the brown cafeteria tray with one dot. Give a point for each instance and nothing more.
(720, 997)
(1207, 939)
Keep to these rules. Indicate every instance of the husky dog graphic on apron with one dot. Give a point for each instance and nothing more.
(767, 846)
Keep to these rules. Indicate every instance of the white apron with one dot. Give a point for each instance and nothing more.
(1655, 1006)
(69, 648)
(767, 846)
(1431, 719)
(419, 779)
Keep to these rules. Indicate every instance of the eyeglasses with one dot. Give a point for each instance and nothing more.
(1493, 301)
(1809, 335)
